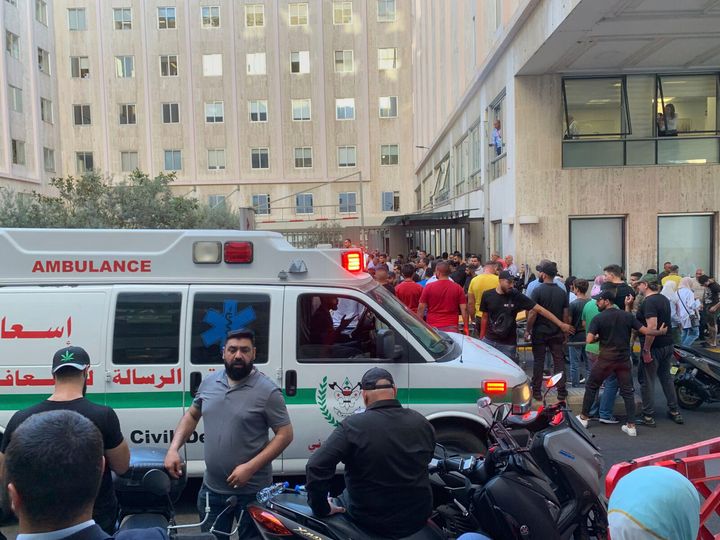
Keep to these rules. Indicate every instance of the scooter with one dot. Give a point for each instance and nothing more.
(697, 378)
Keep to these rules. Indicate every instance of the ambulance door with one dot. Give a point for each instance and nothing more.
(323, 363)
(213, 311)
(145, 376)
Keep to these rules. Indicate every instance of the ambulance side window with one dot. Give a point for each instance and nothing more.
(215, 314)
(147, 328)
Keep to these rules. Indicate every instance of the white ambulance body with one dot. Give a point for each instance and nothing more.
(152, 309)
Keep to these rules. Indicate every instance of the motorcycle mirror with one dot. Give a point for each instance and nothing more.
(501, 412)
(156, 482)
(484, 402)
(552, 381)
(231, 501)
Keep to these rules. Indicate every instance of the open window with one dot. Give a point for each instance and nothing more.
(595, 108)
(686, 104)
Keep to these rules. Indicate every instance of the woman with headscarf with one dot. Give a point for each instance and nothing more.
(654, 503)
(689, 312)
(669, 291)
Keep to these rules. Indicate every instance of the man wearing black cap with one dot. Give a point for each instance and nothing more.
(386, 450)
(70, 369)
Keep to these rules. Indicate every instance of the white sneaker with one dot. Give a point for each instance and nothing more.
(583, 421)
(629, 430)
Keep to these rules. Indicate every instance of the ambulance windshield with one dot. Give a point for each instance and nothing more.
(426, 335)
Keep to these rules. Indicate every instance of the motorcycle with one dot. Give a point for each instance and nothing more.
(697, 378)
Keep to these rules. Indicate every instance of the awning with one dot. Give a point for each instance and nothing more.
(452, 217)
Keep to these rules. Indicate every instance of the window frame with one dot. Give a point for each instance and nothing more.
(82, 108)
(127, 114)
(206, 63)
(304, 207)
(15, 94)
(301, 55)
(381, 59)
(343, 5)
(123, 154)
(346, 147)
(18, 154)
(303, 159)
(44, 61)
(83, 156)
(48, 155)
(51, 119)
(250, 111)
(41, 12)
(216, 152)
(301, 102)
(170, 108)
(12, 44)
(210, 17)
(625, 120)
(175, 154)
(350, 207)
(298, 15)
(257, 205)
(380, 108)
(344, 61)
(121, 65)
(76, 11)
(167, 18)
(622, 218)
(123, 23)
(713, 248)
(167, 59)
(660, 99)
(215, 117)
(345, 107)
(394, 11)
(252, 62)
(395, 195)
(390, 155)
(260, 152)
(78, 61)
(254, 15)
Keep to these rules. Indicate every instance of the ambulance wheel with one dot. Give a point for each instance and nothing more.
(458, 439)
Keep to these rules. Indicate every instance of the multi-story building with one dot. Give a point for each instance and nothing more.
(301, 110)
(608, 143)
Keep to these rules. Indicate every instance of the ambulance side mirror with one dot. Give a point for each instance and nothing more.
(385, 345)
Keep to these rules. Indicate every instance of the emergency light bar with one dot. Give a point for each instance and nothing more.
(353, 261)
(212, 252)
(494, 387)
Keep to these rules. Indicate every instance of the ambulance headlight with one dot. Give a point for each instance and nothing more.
(207, 252)
(521, 398)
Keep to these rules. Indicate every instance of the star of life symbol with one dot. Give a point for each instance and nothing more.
(67, 357)
(337, 401)
(222, 323)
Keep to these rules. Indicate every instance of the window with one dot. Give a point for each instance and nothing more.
(256, 63)
(16, 101)
(254, 15)
(212, 65)
(684, 104)
(127, 114)
(303, 158)
(81, 114)
(122, 18)
(210, 16)
(77, 20)
(43, 61)
(214, 112)
(128, 161)
(173, 160)
(261, 204)
(343, 61)
(390, 201)
(125, 67)
(84, 162)
(595, 107)
(41, 13)
(298, 14)
(300, 62)
(388, 107)
(687, 240)
(12, 44)
(586, 261)
(147, 328)
(348, 202)
(79, 67)
(259, 158)
(389, 154)
(497, 236)
(304, 203)
(46, 111)
(386, 10)
(209, 324)
(215, 201)
(345, 109)
(49, 159)
(18, 152)
(166, 18)
(258, 110)
(216, 159)
(169, 65)
(171, 113)
(387, 58)
(300, 110)
(342, 12)
(347, 156)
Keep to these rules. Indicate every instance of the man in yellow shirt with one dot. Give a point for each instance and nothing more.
(479, 284)
(672, 276)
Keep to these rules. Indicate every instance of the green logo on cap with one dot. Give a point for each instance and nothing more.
(67, 357)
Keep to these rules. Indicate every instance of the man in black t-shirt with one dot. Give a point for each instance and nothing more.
(612, 327)
(711, 305)
(657, 352)
(614, 274)
(70, 368)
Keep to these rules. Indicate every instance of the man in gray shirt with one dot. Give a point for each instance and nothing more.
(238, 406)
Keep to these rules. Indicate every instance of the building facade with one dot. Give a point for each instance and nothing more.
(607, 145)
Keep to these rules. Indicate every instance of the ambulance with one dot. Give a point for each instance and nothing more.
(152, 308)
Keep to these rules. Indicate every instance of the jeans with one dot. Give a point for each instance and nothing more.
(539, 347)
(605, 403)
(508, 350)
(578, 358)
(217, 504)
(658, 368)
(689, 335)
(599, 372)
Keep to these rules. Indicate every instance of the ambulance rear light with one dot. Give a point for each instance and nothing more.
(353, 261)
(207, 252)
(494, 387)
(238, 252)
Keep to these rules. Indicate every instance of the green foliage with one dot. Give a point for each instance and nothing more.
(138, 202)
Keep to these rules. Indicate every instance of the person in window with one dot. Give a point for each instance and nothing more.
(667, 122)
(383, 278)
(497, 142)
(322, 330)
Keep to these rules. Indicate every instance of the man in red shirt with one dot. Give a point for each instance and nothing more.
(443, 299)
(408, 292)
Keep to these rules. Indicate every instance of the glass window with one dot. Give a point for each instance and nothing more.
(255, 15)
(147, 328)
(214, 112)
(46, 111)
(304, 203)
(586, 234)
(388, 107)
(258, 110)
(16, 101)
(210, 16)
(216, 314)
(166, 18)
(261, 203)
(387, 58)
(686, 104)
(595, 108)
(300, 62)
(127, 114)
(17, 149)
(260, 158)
(390, 201)
(41, 12)
(298, 14)
(345, 109)
(348, 202)
(212, 65)
(389, 154)
(300, 110)
(77, 20)
(343, 61)
(640, 95)
(125, 67)
(303, 158)
(215, 201)
(128, 161)
(347, 156)
(169, 65)
(43, 61)
(497, 237)
(12, 44)
(386, 10)
(49, 159)
(256, 63)
(686, 241)
(84, 162)
(79, 67)
(171, 113)
(173, 160)
(122, 18)
(342, 12)
(216, 159)
(81, 114)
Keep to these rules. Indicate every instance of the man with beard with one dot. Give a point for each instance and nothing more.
(70, 369)
(238, 405)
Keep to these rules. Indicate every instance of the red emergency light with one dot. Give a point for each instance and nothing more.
(353, 261)
(494, 387)
(238, 252)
